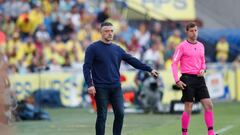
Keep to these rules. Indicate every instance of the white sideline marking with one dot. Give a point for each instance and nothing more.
(225, 129)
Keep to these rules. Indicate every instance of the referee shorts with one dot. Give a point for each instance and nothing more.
(195, 90)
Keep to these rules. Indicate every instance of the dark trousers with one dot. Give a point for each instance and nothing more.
(103, 97)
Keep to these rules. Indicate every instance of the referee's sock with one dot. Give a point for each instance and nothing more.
(185, 123)
(209, 120)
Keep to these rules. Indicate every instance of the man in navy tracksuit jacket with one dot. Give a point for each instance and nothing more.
(101, 73)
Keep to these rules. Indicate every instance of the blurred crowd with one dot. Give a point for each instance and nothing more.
(36, 34)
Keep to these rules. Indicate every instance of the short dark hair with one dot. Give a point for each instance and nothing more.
(190, 25)
(106, 24)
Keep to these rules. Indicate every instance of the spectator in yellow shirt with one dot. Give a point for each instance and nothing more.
(174, 39)
(48, 51)
(25, 25)
(29, 50)
(58, 44)
(95, 34)
(46, 6)
(74, 48)
(14, 48)
(222, 49)
(8, 26)
(36, 16)
(89, 32)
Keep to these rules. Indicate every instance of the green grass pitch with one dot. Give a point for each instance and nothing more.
(81, 122)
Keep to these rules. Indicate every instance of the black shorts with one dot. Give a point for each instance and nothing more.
(195, 90)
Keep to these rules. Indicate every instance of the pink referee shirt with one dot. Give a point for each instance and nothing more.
(191, 57)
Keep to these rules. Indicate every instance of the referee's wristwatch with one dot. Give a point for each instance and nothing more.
(204, 70)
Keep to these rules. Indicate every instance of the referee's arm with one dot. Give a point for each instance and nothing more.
(175, 60)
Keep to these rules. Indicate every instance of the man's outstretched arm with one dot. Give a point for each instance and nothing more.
(138, 64)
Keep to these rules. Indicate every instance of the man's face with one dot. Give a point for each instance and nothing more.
(107, 33)
(192, 33)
